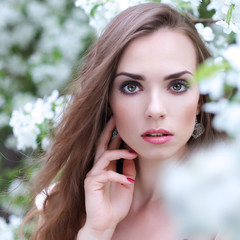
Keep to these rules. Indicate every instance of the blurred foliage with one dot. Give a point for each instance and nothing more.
(41, 44)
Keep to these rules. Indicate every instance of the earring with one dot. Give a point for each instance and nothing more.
(198, 129)
(114, 133)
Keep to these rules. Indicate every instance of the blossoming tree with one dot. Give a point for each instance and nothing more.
(218, 22)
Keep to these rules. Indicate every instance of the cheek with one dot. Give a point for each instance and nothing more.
(187, 111)
(125, 118)
(120, 113)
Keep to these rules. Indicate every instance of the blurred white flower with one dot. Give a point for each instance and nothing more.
(205, 32)
(227, 116)
(57, 4)
(214, 85)
(6, 232)
(232, 54)
(8, 14)
(25, 130)
(37, 11)
(193, 4)
(104, 11)
(6, 43)
(7, 229)
(23, 34)
(195, 191)
(40, 111)
(16, 65)
(17, 188)
(222, 9)
(27, 121)
(46, 141)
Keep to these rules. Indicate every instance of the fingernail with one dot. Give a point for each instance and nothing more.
(131, 151)
(131, 180)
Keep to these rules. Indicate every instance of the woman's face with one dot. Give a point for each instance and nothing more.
(153, 97)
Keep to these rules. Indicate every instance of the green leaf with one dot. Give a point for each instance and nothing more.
(229, 14)
(94, 9)
(209, 69)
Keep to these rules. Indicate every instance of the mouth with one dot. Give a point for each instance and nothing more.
(157, 136)
(157, 133)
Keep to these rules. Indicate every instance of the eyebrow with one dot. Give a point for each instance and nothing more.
(140, 77)
(177, 75)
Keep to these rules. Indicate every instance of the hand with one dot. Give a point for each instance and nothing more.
(108, 194)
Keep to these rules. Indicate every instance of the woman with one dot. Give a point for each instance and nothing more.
(137, 78)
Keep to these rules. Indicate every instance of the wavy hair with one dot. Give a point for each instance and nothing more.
(73, 149)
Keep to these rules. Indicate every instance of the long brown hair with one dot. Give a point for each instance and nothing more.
(73, 150)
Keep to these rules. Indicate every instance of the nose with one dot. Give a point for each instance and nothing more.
(156, 108)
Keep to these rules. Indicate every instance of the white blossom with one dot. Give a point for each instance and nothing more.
(213, 85)
(195, 191)
(105, 11)
(46, 141)
(16, 65)
(25, 130)
(7, 230)
(9, 14)
(37, 11)
(26, 122)
(205, 32)
(23, 34)
(221, 10)
(227, 116)
(17, 188)
(232, 54)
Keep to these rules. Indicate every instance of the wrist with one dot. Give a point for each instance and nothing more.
(93, 234)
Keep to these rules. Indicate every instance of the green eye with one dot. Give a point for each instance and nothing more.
(179, 86)
(130, 87)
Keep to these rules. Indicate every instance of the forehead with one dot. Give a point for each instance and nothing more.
(164, 49)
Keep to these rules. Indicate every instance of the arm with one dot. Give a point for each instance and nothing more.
(90, 234)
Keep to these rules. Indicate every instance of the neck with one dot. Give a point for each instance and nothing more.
(147, 182)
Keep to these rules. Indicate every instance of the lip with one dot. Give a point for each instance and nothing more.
(157, 139)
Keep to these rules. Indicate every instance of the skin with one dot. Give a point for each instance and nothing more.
(156, 99)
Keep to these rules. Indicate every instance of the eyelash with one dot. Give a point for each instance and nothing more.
(183, 83)
(129, 83)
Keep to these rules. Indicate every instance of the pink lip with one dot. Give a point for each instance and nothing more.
(157, 139)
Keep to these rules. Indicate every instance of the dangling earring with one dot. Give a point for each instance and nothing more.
(114, 133)
(198, 129)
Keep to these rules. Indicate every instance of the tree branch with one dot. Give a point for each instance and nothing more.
(200, 20)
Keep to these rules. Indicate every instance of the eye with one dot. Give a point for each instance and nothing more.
(179, 86)
(130, 87)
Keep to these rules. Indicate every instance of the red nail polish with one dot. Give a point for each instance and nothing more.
(131, 151)
(131, 180)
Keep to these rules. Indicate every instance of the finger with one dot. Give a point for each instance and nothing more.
(129, 169)
(97, 182)
(104, 138)
(109, 156)
(115, 143)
